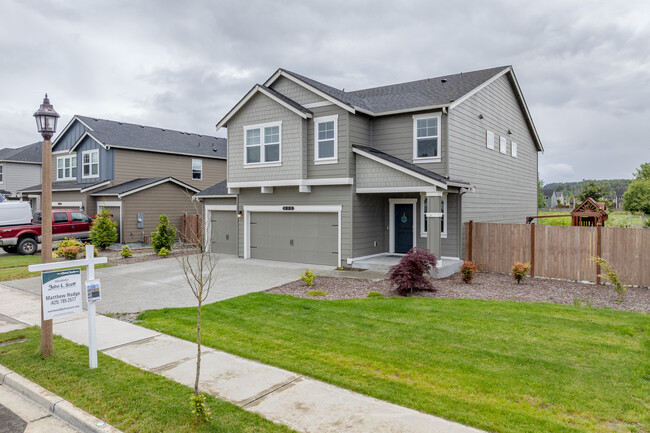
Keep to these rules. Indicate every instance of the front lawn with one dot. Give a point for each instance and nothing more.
(130, 399)
(500, 366)
(14, 267)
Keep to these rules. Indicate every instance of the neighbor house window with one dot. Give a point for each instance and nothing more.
(426, 137)
(90, 163)
(262, 143)
(513, 148)
(66, 167)
(443, 220)
(489, 139)
(503, 145)
(1, 173)
(197, 169)
(325, 138)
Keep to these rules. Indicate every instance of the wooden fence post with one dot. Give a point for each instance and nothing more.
(532, 250)
(471, 223)
(599, 253)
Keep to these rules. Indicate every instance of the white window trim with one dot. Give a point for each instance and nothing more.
(513, 149)
(57, 167)
(2, 173)
(263, 163)
(200, 169)
(89, 152)
(391, 217)
(503, 145)
(489, 139)
(417, 117)
(335, 158)
(443, 230)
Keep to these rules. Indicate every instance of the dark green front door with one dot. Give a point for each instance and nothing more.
(403, 227)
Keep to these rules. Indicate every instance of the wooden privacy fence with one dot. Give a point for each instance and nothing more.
(560, 251)
(191, 229)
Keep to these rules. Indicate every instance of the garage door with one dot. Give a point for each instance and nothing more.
(295, 237)
(223, 230)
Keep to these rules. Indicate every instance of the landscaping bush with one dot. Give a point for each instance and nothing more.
(612, 276)
(410, 273)
(519, 271)
(164, 236)
(467, 271)
(126, 252)
(163, 252)
(68, 248)
(308, 277)
(375, 295)
(317, 293)
(102, 231)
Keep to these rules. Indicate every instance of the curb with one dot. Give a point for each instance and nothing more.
(54, 404)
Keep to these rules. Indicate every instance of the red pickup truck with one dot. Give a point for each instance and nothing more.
(66, 223)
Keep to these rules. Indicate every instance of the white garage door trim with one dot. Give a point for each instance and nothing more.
(101, 204)
(281, 209)
(208, 208)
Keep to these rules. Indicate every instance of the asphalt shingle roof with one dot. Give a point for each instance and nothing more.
(29, 153)
(220, 188)
(131, 136)
(129, 186)
(422, 93)
(407, 165)
(62, 186)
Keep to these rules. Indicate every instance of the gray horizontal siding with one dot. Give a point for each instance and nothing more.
(295, 91)
(370, 224)
(16, 176)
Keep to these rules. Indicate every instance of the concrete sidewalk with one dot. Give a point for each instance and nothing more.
(304, 404)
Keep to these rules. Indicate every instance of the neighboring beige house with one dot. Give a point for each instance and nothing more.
(20, 168)
(322, 175)
(137, 172)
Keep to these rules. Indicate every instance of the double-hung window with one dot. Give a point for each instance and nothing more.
(426, 137)
(262, 143)
(66, 167)
(325, 140)
(197, 169)
(90, 163)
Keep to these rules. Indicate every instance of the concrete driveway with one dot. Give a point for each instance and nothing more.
(161, 283)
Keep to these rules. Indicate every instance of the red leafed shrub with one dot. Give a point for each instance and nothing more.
(410, 273)
(467, 271)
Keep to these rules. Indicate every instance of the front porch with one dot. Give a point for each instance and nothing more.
(382, 263)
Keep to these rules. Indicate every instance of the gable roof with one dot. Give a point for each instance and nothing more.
(218, 190)
(407, 167)
(137, 185)
(66, 185)
(122, 135)
(30, 154)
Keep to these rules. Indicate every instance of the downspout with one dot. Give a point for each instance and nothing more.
(460, 221)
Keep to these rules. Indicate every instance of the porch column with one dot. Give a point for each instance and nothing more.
(434, 216)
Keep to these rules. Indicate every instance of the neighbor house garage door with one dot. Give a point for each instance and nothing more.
(223, 229)
(295, 237)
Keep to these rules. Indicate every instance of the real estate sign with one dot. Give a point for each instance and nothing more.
(61, 293)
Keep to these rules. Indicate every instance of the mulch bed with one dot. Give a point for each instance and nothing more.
(484, 286)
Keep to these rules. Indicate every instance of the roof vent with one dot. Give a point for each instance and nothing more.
(443, 81)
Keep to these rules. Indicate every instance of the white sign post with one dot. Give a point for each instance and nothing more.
(63, 285)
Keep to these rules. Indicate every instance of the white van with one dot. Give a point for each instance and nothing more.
(15, 213)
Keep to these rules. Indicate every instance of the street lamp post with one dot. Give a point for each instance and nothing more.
(46, 119)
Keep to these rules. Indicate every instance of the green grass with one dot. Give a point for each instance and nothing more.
(130, 399)
(15, 267)
(615, 219)
(500, 366)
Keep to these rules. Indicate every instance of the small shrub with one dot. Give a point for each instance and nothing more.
(126, 252)
(375, 295)
(467, 271)
(68, 248)
(103, 232)
(199, 408)
(410, 273)
(612, 276)
(163, 252)
(317, 293)
(164, 235)
(308, 277)
(519, 271)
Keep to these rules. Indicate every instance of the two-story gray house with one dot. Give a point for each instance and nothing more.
(321, 175)
(137, 172)
(20, 168)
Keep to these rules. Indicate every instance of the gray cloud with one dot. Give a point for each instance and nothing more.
(584, 66)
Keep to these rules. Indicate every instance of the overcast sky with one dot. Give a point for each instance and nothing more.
(584, 66)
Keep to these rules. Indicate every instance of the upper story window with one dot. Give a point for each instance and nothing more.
(325, 140)
(426, 137)
(197, 169)
(90, 163)
(66, 167)
(1, 174)
(262, 143)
